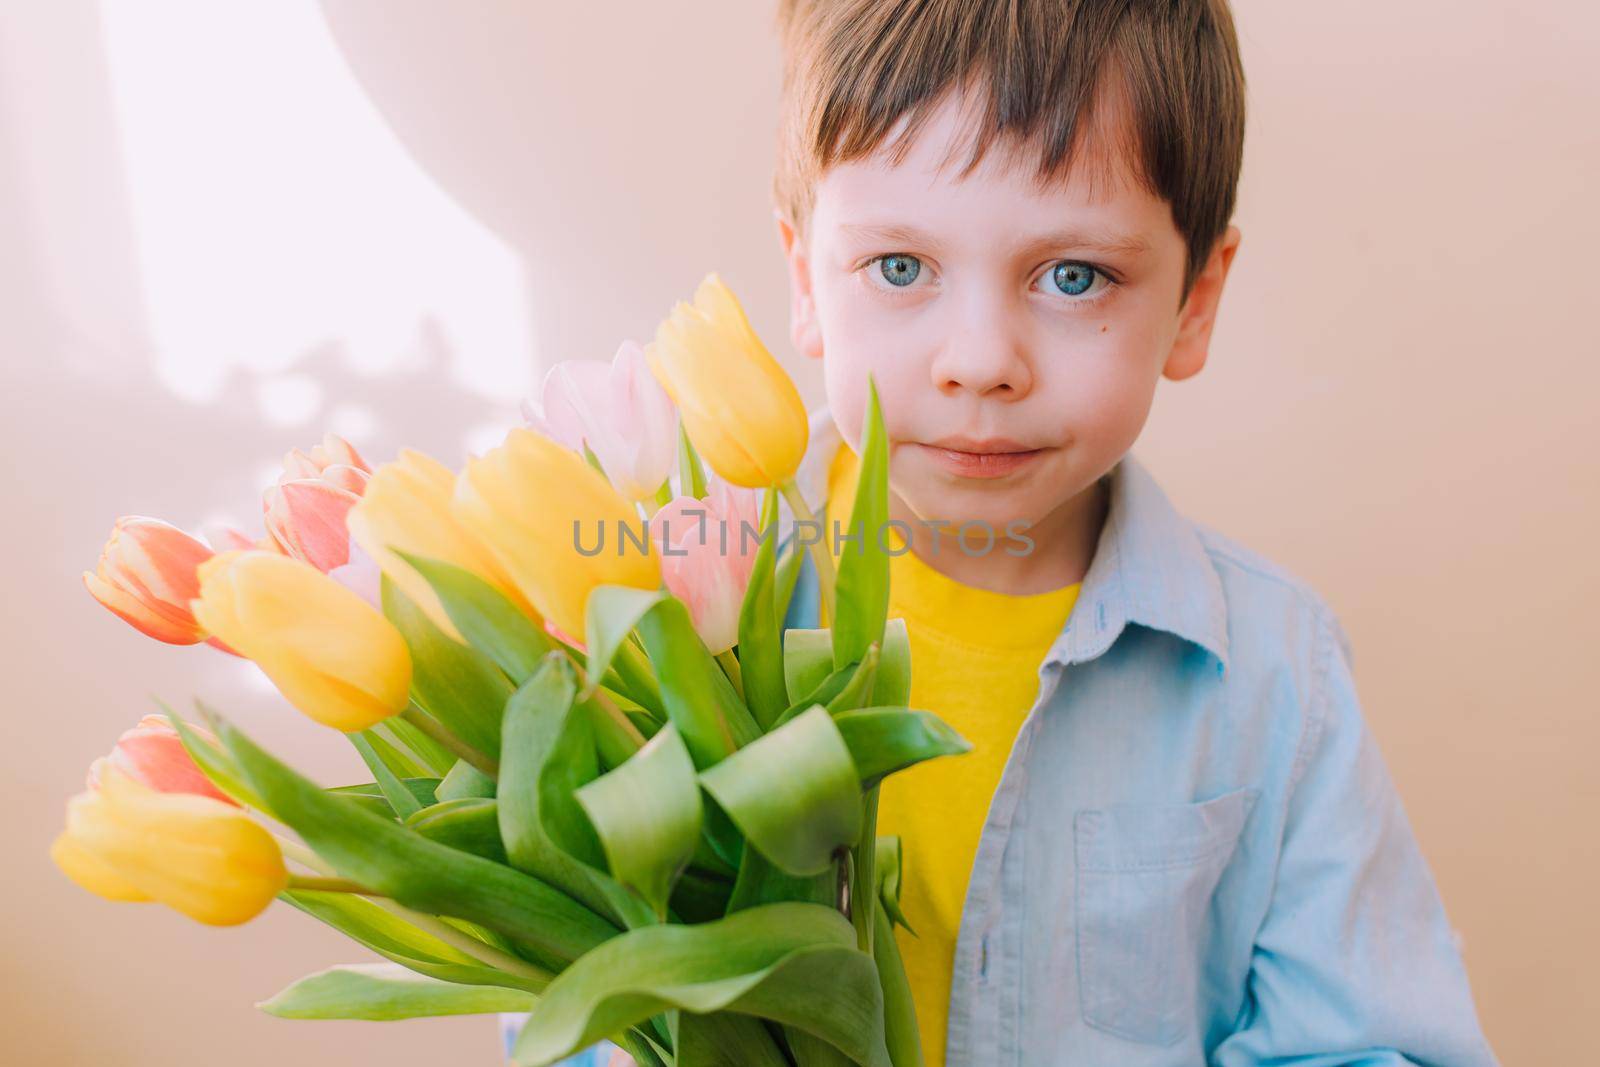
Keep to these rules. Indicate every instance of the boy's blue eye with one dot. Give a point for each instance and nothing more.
(899, 270)
(1072, 278)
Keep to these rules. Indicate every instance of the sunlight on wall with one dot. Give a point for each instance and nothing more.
(276, 214)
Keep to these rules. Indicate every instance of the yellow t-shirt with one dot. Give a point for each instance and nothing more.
(975, 657)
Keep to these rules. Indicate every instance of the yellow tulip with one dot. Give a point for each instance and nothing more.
(333, 655)
(406, 507)
(738, 405)
(126, 841)
(533, 503)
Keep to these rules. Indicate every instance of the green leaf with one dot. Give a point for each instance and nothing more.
(887, 867)
(214, 763)
(392, 937)
(899, 1010)
(700, 701)
(394, 791)
(893, 684)
(549, 753)
(827, 692)
(644, 1048)
(783, 582)
(398, 758)
(723, 1039)
(699, 896)
(862, 589)
(884, 740)
(810, 1051)
(455, 683)
(858, 691)
(370, 795)
(647, 815)
(385, 991)
(616, 737)
(465, 780)
(632, 668)
(760, 644)
(691, 474)
(760, 882)
(432, 759)
(485, 617)
(545, 923)
(794, 963)
(807, 662)
(795, 793)
(611, 613)
(470, 824)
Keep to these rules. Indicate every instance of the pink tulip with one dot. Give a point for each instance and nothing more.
(306, 518)
(708, 550)
(146, 575)
(620, 411)
(334, 451)
(152, 753)
(305, 512)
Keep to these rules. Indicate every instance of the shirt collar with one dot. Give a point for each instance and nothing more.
(1149, 566)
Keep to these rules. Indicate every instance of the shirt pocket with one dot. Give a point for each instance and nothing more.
(1146, 875)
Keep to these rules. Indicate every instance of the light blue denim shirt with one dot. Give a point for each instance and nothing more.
(1195, 854)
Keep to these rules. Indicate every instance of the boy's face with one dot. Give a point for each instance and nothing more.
(996, 318)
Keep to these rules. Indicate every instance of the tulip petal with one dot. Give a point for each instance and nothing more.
(194, 854)
(329, 652)
(307, 518)
(740, 407)
(136, 614)
(93, 873)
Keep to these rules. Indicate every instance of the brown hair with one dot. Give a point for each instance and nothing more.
(854, 68)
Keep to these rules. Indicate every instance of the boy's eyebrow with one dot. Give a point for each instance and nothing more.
(1090, 240)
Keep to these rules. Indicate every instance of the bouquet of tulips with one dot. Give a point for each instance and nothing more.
(609, 789)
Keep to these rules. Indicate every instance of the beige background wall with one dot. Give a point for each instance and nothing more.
(225, 227)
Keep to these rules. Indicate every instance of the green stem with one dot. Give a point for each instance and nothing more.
(730, 667)
(320, 884)
(484, 953)
(863, 887)
(302, 855)
(463, 942)
(820, 554)
(432, 727)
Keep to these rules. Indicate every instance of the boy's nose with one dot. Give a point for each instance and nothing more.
(983, 353)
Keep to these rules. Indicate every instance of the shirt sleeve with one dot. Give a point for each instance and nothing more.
(1355, 962)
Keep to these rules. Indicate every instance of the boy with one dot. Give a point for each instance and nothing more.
(1174, 841)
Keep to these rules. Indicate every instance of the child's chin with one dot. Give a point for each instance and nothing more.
(990, 502)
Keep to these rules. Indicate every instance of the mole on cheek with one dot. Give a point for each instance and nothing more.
(1103, 329)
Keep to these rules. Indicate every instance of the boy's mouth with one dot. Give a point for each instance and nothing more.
(989, 457)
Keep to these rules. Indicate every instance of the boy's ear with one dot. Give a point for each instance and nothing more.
(1199, 311)
(804, 329)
